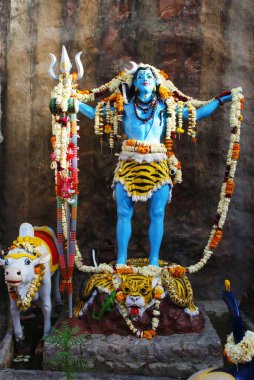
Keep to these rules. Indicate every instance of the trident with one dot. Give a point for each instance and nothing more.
(65, 64)
(70, 208)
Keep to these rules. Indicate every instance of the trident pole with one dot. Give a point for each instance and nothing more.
(65, 165)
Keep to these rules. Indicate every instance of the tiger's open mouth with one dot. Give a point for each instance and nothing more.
(134, 311)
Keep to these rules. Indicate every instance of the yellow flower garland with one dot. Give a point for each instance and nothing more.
(25, 303)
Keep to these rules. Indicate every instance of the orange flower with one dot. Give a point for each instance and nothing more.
(37, 270)
(169, 146)
(178, 166)
(53, 141)
(177, 271)
(106, 100)
(127, 270)
(165, 75)
(236, 151)
(229, 187)
(107, 128)
(120, 296)
(164, 92)
(119, 102)
(130, 142)
(74, 76)
(112, 98)
(158, 291)
(143, 149)
(83, 92)
(216, 239)
(120, 74)
(242, 103)
(149, 334)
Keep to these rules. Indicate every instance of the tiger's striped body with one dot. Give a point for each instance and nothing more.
(178, 289)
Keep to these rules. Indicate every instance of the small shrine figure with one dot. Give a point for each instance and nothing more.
(148, 104)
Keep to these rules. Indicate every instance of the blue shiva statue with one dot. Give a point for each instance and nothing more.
(144, 120)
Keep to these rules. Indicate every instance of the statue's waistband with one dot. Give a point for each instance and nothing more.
(143, 147)
(142, 151)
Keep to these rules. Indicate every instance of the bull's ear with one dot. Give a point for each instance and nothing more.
(43, 259)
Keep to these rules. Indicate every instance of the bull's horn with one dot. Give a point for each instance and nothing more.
(133, 69)
(51, 67)
(65, 65)
(26, 229)
(79, 65)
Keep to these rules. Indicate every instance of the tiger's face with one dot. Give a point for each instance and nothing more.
(138, 293)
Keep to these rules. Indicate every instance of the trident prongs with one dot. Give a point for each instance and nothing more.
(79, 65)
(65, 64)
(51, 67)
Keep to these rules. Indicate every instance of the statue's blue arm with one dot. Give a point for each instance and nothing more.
(202, 112)
(208, 109)
(87, 110)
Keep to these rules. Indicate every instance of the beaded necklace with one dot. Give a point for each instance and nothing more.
(145, 107)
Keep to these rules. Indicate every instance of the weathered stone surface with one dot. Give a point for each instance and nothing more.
(206, 47)
(179, 355)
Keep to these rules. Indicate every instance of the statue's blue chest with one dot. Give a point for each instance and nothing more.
(150, 130)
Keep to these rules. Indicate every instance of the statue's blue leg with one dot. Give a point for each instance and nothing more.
(123, 229)
(157, 206)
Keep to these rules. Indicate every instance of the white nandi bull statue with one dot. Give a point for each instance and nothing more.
(28, 265)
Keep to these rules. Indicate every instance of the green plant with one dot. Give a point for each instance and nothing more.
(65, 337)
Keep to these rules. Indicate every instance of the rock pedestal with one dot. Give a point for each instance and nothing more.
(178, 355)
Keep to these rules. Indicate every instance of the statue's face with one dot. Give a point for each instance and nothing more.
(145, 81)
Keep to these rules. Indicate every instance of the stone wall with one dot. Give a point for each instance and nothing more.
(205, 46)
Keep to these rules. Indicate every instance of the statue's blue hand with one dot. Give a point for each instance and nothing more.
(227, 98)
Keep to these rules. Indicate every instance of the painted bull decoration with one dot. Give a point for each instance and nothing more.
(28, 266)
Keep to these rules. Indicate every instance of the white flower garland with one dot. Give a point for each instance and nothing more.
(222, 209)
(134, 145)
(134, 330)
(240, 353)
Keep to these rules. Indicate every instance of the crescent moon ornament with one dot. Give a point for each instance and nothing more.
(52, 66)
(133, 69)
(79, 65)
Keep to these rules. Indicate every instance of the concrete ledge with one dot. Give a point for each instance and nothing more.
(11, 374)
(178, 355)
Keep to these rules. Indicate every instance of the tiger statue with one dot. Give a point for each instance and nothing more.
(137, 291)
